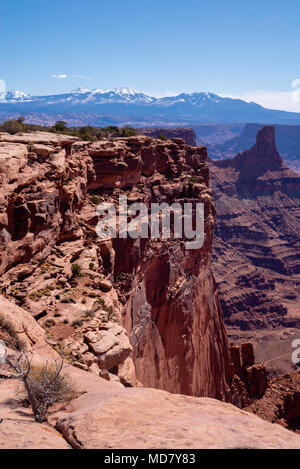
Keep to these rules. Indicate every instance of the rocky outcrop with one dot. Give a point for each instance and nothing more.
(108, 416)
(188, 135)
(256, 250)
(281, 402)
(249, 379)
(287, 138)
(150, 419)
(81, 288)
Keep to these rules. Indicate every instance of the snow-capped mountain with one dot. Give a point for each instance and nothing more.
(116, 104)
(14, 96)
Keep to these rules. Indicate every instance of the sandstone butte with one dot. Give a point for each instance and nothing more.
(135, 314)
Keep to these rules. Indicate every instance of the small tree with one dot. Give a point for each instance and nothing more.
(45, 384)
(60, 126)
(12, 126)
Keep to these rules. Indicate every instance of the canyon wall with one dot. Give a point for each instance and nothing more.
(188, 135)
(256, 248)
(79, 287)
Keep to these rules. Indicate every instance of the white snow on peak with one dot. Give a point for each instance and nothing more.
(81, 89)
(14, 95)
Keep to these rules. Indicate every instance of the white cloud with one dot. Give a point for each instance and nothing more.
(281, 100)
(59, 77)
(296, 83)
(2, 86)
(82, 77)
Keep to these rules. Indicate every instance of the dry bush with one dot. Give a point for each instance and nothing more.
(45, 384)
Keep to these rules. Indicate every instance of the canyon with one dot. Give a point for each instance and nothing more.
(132, 313)
(287, 142)
(163, 295)
(256, 247)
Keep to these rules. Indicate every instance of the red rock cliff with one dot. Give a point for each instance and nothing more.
(163, 294)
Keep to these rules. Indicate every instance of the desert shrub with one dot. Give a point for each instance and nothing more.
(194, 179)
(76, 271)
(110, 312)
(7, 325)
(77, 323)
(92, 294)
(96, 199)
(45, 384)
(37, 295)
(60, 126)
(90, 314)
(68, 300)
(162, 137)
(12, 126)
(128, 132)
(49, 323)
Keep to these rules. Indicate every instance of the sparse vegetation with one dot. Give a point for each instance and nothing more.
(6, 325)
(46, 267)
(77, 323)
(96, 199)
(37, 295)
(87, 133)
(162, 137)
(45, 384)
(90, 314)
(76, 271)
(193, 179)
(68, 300)
(49, 323)
(110, 312)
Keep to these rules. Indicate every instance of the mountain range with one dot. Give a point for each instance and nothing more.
(127, 106)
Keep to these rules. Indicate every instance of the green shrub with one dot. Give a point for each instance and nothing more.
(96, 199)
(194, 179)
(49, 323)
(76, 271)
(68, 300)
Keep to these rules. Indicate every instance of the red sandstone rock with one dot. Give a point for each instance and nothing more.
(188, 135)
(169, 303)
(256, 238)
(247, 353)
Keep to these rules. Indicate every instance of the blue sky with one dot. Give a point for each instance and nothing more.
(233, 48)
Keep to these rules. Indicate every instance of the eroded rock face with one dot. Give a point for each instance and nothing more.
(53, 264)
(188, 135)
(256, 248)
(249, 379)
(281, 402)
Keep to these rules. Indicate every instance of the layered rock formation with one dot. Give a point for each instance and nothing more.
(256, 250)
(281, 402)
(188, 135)
(79, 287)
(287, 139)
